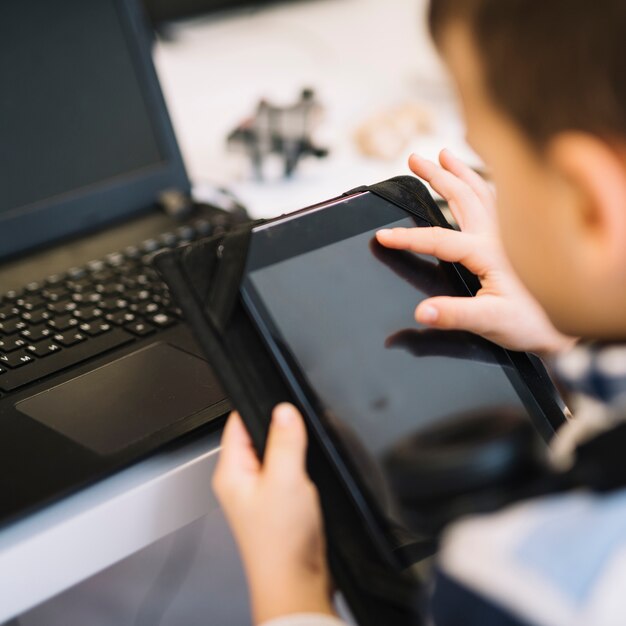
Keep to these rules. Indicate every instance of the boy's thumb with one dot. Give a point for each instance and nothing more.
(285, 453)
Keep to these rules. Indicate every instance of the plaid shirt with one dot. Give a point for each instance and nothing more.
(595, 376)
(596, 371)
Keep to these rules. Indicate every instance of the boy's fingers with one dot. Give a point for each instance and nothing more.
(285, 453)
(476, 182)
(442, 181)
(450, 313)
(445, 244)
(237, 455)
(464, 203)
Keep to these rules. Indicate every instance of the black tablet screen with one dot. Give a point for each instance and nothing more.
(343, 316)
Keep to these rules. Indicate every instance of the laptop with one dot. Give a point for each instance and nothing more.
(97, 369)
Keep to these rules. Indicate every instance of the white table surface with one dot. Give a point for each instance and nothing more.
(359, 55)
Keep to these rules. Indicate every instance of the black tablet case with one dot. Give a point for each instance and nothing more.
(204, 277)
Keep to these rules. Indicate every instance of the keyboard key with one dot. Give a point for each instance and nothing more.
(8, 311)
(115, 259)
(8, 344)
(88, 312)
(113, 304)
(56, 293)
(95, 266)
(147, 308)
(119, 318)
(69, 338)
(32, 287)
(76, 273)
(127, 267)
(15, 325)
(55, 279)
(36, 333)
(87, 296)
(63, 322)
(150, 245)
(132, 252)
(162, 320)
(111, 289)
(168, 239)
(43, 348)
(36, 317)
(185, 233)
(81, 284)
(137, 295)
(16, 359)
(140, 328)
(63, 306)
(11, 295)
(103, 276)
(30, 302)
(204, 228)
(63, 359)
(129, 282)
(142, 278)
(160, 290)
(95, 328)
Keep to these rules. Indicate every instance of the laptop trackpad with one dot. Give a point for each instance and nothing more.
(127, 400)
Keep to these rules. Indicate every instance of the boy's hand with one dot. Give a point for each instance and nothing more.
(503, 310)
(273, 510)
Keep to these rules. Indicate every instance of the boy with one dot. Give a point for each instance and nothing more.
(543, 90)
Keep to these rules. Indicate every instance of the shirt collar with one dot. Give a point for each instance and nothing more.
(596, 370)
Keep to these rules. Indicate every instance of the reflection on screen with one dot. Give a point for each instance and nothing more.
(346, 313)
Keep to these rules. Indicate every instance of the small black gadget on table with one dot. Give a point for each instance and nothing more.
(309, 308)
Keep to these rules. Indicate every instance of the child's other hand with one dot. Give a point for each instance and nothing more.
(273, 510)
(503, 310)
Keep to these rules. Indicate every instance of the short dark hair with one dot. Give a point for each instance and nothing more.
(551, 65)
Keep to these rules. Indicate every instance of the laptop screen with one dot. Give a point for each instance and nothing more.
(79, 112)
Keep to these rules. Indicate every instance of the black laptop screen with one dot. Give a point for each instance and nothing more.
(73, 113)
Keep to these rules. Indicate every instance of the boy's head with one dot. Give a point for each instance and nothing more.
(543, 88)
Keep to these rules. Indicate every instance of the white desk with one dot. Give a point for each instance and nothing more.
(79, 536)
(359, 55)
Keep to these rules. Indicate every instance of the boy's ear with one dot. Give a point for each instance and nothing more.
(595, 171)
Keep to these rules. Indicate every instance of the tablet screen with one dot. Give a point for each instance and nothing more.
(342, 314)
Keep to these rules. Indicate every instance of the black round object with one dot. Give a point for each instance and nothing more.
(476, 453)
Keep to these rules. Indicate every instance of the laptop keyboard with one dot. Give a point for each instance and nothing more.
(67, 318)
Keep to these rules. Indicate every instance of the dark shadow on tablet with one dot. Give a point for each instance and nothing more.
(455, 344)
(408, 545)
(429, 277)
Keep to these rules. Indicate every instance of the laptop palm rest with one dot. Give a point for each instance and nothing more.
(127, 400)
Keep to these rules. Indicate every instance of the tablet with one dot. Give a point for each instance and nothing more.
(336, 311)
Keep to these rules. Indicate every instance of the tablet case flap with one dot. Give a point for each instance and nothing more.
(213, 269)
(409, 193)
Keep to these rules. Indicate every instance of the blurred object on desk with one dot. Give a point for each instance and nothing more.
(360, 55)
(283, 131)
(388, 133)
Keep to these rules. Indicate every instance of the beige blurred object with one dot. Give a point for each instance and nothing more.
(387, 134)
